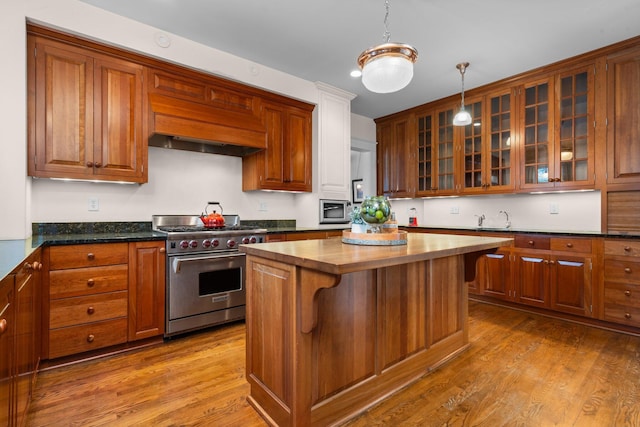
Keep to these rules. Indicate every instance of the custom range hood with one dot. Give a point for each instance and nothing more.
(186, 125)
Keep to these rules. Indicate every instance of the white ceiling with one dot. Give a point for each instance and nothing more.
(320, 40)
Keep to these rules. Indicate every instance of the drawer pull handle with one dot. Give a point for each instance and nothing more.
(90, 283)
(627, 270)
(530, 243)
(91, 256)
(3, 326)
(627, 249)
(91, 310)
(627, 316)
(569, 245)
(90, 338)
(627, 293)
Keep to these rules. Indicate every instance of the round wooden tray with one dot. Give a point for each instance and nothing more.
(375, 239)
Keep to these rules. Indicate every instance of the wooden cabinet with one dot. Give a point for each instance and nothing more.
(19, 339)
(550, 272)
(88, 298)
(7, 349)
(622, 282)
(85, 114)
(395, 157)
(623, 132)
(286, 162)
(103, 294)
(557, 130)
(555, 273)
(147, 263)
(27, 332)
(302, 235)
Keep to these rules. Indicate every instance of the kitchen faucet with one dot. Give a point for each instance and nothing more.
(481, 218)
(508, 223)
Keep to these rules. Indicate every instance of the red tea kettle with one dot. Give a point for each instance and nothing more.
(213, 219)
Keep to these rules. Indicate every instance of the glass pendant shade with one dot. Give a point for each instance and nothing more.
(462, 118)
(387, 68)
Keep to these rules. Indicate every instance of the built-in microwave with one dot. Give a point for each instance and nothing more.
(334, 211)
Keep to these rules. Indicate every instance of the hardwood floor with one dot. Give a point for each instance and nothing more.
(521, 370)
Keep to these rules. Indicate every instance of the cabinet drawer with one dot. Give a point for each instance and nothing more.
(624, 294)
(78, 310)
(75, 256)
(77, 339)
(621, 270)
(570, 244)
(627, 315)
(532, 242)
(622, 248)
(86, 281)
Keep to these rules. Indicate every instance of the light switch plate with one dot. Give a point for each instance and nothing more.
(554, 208)
(94, 204)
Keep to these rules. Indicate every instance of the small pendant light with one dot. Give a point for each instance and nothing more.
(462, 118)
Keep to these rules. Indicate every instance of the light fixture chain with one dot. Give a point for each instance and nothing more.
(387, 34)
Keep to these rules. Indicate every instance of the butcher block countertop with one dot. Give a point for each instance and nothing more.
(334, 257)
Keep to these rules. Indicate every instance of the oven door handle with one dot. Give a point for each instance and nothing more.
(177, 262)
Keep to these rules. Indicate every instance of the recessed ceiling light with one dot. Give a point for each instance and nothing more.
(356, 73)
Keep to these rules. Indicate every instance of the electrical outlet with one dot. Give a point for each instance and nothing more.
(454, 210)
(554, 208)
(262, 206)
(94, 204)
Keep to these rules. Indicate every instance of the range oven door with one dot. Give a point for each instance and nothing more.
(200, 285)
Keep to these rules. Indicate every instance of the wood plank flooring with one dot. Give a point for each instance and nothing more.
(521, 370)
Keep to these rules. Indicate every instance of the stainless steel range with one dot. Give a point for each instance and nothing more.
(205, 271)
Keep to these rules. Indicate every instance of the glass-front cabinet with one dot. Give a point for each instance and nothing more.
(558, 131)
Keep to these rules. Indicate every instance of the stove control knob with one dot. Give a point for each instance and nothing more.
(184, 244)
(231, 243)
(245, 240)
(215, 243)
(206, 243)
(253, 239)
(193, 244)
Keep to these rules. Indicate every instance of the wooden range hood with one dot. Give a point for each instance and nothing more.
(186, 125)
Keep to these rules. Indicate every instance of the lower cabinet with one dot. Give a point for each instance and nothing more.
(622, 282)
(543, 271)
(19, 339)
(302, 235)
(147, 262)
(104, 294)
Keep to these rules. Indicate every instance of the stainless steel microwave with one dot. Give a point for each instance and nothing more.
(334, 211)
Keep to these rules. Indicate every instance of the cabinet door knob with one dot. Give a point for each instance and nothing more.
(3, 326)
(91, 256)
(530, 243)
(91, 310)
(627, 293)
(91, 282)
(569, 245)
(627, 249)
(98, 165)
(627, 316)
(162, 250)
(89, 164)
(90, 338)
(627, 270)
(28, 266)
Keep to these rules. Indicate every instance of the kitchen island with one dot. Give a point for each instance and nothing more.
(333, 328)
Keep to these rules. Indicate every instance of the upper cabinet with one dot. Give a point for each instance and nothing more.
(85, 114)
(557, 131)
(623, 130)
(334, 142)
(396, 157)
(285, 164)
(533, 132)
